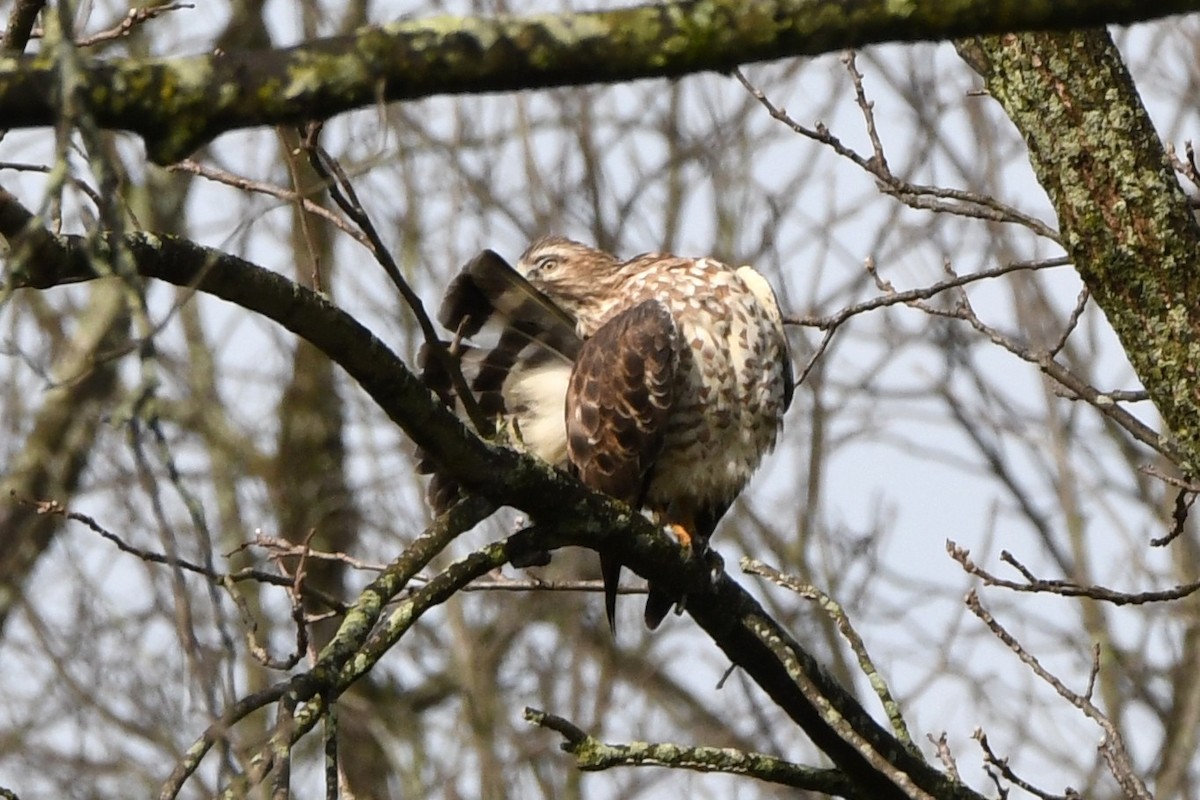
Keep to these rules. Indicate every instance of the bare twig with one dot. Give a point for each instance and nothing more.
(239, 182)
(217, 578)
(844, 626)
(1188, 491)
(945, 755)
(135, 17)
(342, 191)
(1185, 168)
(1033, 584)
(1179, 515)
(1095, 671)
(1003, 769)
(131, 20)
(910, 296)
(277, 547)
(928, 198)
(1050, 367)
(1113, 746)
(290, 158)
(1171, 480)
(891, 297)
(1072, 321)
(250, 624)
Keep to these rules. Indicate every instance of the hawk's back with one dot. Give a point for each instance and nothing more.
(734, 377)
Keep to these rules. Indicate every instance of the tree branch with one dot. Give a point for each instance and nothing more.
(592, 755)
(179, 104)
(1123, 216)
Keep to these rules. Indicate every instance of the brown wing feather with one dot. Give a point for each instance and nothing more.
(488, 290)
(619, 399)
(618, 404)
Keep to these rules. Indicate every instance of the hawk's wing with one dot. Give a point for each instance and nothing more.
(618, 404)
(523, 374)
(489, 291)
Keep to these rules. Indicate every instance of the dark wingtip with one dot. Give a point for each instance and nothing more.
(610, 572)
(466, 305)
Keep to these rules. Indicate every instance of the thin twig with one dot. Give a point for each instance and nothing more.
(1065, 588)
(239, 182)
(1113, 746)
(1184, 499)
(929, 198)
(910, 296)
(1001, 765)
(844, 626)
(1049, 366)
(217, 578)
(1072, 321)
(942, 745)
(135, 17)
(344, 195)
(277, 547)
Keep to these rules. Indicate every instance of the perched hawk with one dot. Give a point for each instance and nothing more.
(661, 381)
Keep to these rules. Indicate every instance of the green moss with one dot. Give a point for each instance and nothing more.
(1124, 218)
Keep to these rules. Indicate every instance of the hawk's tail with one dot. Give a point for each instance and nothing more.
(610, 571)
(658, 605)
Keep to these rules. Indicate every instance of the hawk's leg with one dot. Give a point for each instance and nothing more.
(530, 558)
(682, 525)
(524, 558)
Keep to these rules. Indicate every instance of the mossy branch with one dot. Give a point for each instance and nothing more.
(592, 755)
(179, 104)
(1123, 216)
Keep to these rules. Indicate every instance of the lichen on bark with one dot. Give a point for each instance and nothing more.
(1123, 216)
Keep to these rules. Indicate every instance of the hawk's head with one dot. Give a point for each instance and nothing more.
(575, 276)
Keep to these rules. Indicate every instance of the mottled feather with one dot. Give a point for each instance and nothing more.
(617, 407)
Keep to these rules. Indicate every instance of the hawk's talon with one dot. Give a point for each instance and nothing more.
(716, 565)
(681, 534)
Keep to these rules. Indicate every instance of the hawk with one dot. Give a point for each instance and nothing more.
(661, 381)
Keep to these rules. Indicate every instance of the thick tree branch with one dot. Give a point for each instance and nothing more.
(1124, 219)
(178, 104)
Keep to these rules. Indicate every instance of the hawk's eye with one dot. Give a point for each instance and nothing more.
(546, 263)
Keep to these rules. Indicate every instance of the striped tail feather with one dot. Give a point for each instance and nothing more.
(517, 369)
(489, 292)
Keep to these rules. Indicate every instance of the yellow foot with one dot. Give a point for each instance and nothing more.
(681, 533)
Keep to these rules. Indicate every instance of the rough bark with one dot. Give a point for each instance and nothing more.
(178, 104)
(1123, 216)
